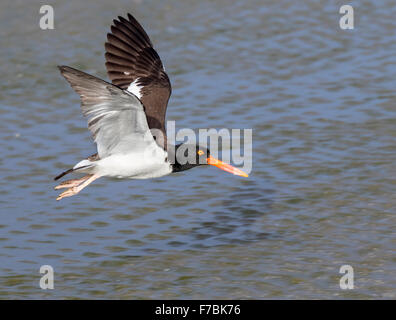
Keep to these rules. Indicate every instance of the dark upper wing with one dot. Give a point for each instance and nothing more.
(134, 65)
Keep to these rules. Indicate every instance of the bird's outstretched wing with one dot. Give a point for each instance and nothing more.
(134, 65)
(116, 118)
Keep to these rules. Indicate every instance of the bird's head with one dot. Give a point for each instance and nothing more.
(200, 156)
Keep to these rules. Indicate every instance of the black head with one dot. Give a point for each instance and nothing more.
(190, 156)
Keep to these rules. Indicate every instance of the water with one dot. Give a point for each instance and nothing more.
(321, 104)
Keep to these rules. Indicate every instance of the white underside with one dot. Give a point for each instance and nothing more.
(130, 165)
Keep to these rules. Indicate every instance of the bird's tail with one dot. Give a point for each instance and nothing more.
(84, 164)
(63, 174)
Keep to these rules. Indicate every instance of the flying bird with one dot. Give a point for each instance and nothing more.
(124, 115)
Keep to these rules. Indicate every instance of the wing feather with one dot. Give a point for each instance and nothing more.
(116, 118)
(130, 56)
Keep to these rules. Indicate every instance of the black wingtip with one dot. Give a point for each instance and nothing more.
(131, 18)
(63, 68)
(121, 18)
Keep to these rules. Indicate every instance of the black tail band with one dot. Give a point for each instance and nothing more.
(63, 174)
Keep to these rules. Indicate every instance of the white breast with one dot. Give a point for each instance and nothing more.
(137, 165)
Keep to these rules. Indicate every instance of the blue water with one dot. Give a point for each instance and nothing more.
(320, 102)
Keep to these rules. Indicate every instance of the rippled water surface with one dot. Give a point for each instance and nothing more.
(321, 102)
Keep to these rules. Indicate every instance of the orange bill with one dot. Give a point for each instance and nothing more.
(226, 167)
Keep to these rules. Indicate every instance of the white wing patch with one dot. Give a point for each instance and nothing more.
(134, 88)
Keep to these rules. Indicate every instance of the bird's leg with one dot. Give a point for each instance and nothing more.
(76, 189)
(72, 183)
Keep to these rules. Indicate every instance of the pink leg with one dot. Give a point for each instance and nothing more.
(72, 183)
(76, 189)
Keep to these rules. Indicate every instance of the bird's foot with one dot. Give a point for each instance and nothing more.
(71, 183)
(68, 193)
(75, 185)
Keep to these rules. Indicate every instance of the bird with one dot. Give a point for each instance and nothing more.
(126, 117)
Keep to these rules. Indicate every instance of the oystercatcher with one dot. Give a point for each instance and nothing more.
(123, 115)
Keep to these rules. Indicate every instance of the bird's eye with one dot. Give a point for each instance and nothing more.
(200, 152)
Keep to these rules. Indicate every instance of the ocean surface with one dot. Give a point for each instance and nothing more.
(321, 194)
